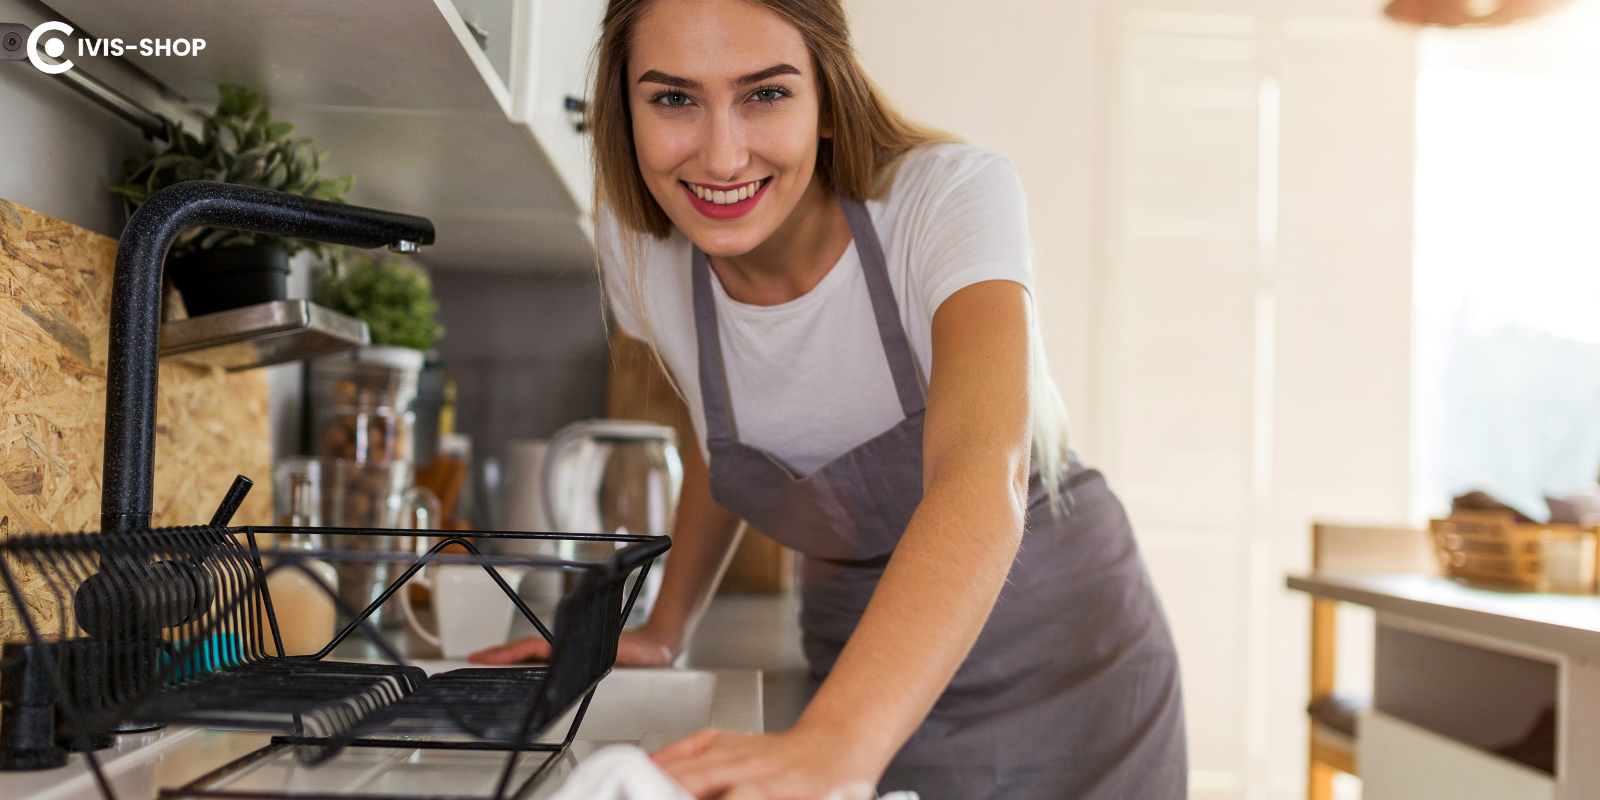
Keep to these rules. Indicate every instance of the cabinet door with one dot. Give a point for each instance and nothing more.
(1400, 761)
(492, 23)
(553, 56)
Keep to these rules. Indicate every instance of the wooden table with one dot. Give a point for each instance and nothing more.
(1462, 671)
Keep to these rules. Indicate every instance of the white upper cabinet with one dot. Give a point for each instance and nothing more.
(492, 24)
(415, 97)
(553, 61)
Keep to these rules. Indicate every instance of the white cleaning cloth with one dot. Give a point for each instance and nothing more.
(625, 772)
(619, 772)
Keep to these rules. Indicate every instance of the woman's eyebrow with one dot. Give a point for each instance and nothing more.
(657, 76)
(770, 72)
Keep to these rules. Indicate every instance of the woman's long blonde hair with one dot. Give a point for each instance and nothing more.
(870, 138)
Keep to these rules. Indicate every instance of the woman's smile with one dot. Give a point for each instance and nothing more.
(726, 121)
(725, 202)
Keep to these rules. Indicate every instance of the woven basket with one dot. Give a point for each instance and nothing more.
(1492, 546)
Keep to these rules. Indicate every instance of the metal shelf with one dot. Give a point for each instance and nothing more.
(262, 335)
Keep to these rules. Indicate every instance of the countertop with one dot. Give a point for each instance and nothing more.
(646, 706)
(1558, 622)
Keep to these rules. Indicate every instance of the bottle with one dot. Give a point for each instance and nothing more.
(305, 611)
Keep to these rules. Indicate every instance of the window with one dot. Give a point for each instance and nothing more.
(1507, 285)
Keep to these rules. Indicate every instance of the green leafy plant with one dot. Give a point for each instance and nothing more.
(238, 144)
(393, 296)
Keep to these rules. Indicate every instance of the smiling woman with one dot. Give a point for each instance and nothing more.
(844, 298)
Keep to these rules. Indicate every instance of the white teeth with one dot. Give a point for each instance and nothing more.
(728, 196)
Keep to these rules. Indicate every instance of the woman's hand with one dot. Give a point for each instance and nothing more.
(797, 764)
(636, 648)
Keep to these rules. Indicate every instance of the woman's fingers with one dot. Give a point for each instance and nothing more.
(712, 762)
(633, 650)
(745, 791)
(686, 747)
(532, 648)
(723, 765)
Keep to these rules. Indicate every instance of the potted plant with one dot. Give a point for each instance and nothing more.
(392, 295)
(214, 268)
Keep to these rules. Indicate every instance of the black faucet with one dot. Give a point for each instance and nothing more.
(128, 475)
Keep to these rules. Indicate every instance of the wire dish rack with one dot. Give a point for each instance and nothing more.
(176, 626)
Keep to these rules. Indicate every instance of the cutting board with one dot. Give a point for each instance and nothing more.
(55, 300)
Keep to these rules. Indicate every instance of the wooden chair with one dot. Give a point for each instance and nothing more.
(1345, 548)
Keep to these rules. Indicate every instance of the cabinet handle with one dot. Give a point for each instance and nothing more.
(575, 110)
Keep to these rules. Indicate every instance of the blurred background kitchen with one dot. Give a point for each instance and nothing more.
(1296, 261)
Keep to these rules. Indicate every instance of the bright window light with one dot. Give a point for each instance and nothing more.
(1507, 285)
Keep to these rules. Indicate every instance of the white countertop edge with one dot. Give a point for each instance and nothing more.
(77, 781)
(1562, 623)
(738, 702)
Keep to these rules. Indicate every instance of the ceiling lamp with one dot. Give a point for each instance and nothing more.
(1469, 13)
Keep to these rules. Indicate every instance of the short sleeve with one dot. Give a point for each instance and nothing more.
(615, 275)
(976, 229)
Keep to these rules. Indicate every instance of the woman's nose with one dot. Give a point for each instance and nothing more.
(725, 154)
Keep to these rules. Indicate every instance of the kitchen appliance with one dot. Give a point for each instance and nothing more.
(607, 476)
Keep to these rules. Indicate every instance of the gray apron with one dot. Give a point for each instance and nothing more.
(1071, 690)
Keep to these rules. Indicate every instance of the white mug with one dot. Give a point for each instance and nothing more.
(470, 609)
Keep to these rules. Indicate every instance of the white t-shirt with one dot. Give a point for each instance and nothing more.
(807, 379)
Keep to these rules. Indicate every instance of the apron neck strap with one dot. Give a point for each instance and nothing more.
(896, 345)
(885, 309)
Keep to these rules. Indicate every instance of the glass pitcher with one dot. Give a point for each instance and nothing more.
(613, 476)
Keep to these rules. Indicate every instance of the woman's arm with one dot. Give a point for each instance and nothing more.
(702, 543)
(938, 588)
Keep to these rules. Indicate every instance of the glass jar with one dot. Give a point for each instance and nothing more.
(363, 405)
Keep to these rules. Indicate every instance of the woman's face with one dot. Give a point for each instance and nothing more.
(725, 107)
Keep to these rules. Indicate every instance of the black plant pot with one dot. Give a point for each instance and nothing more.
(230, 277)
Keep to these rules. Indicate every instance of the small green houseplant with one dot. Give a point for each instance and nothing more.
(393, 296)
(217, 269)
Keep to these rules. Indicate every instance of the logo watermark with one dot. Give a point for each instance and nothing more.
(55, 47)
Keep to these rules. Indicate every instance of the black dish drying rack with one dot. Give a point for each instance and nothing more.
(177, 626)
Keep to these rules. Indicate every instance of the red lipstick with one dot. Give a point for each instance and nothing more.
(729, 211)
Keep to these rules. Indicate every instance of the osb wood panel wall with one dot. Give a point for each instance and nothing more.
(55, 300)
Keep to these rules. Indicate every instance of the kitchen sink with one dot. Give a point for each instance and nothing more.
(650, 707)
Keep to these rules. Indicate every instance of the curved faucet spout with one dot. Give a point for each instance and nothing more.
(128, 474)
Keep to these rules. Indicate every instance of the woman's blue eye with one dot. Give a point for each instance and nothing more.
(673, 98)
(767, 95)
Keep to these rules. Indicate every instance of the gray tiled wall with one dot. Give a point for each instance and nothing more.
(528, 353)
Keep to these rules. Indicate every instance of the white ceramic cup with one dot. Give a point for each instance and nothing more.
(470, 609)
